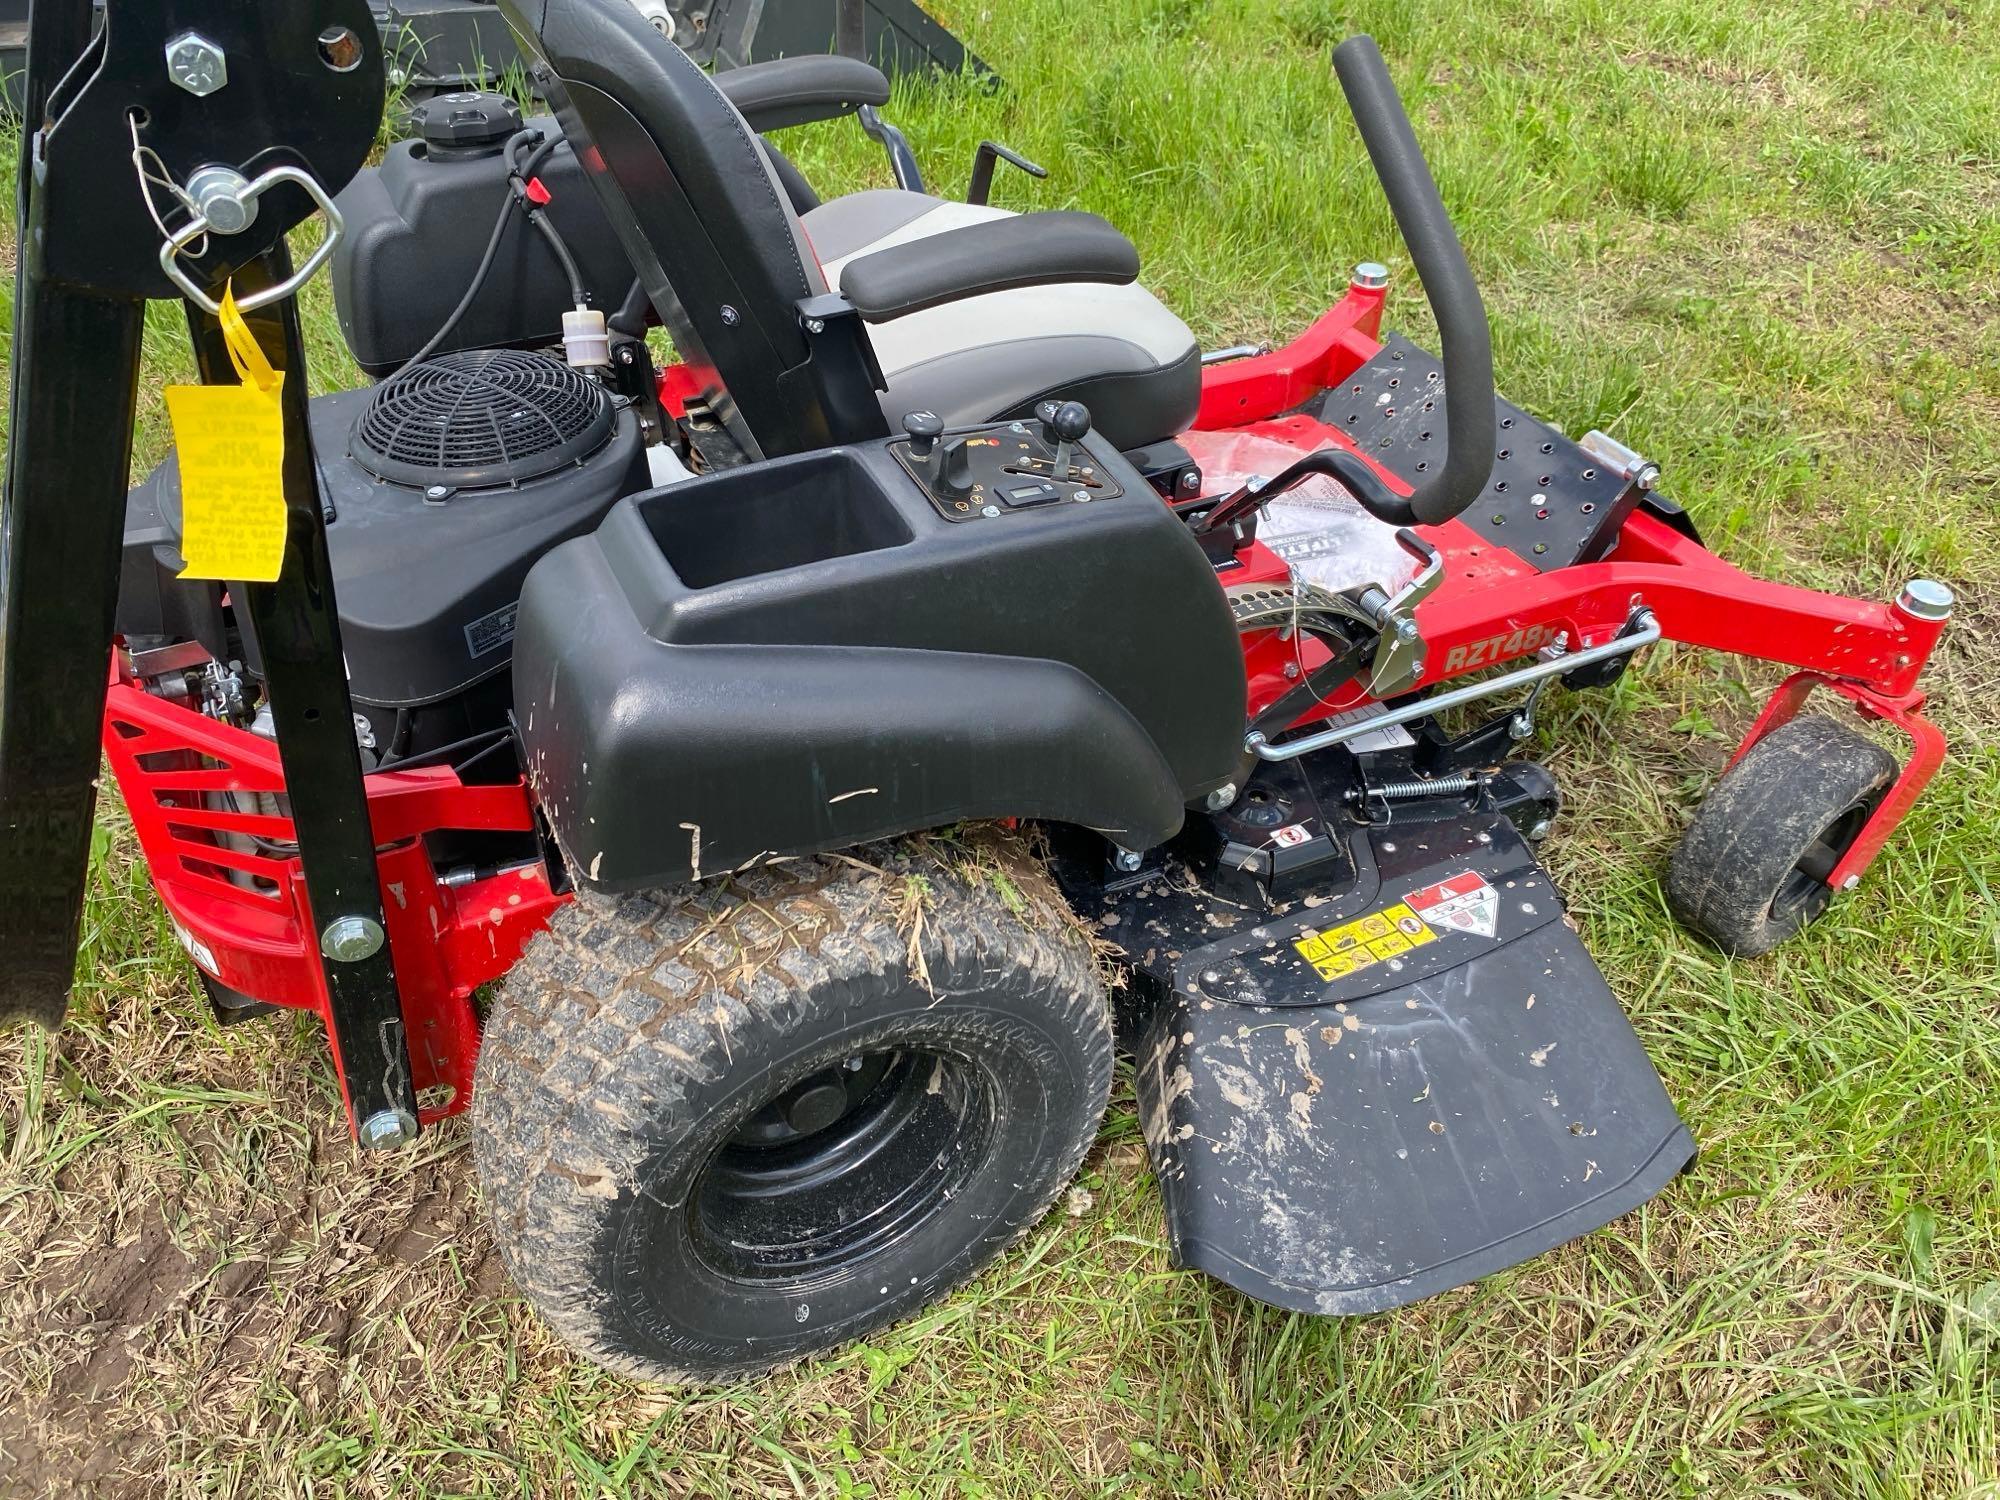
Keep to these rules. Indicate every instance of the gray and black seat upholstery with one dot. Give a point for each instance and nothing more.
(726, 261)
(1114, 348)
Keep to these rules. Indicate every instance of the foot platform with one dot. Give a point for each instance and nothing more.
(1398, 1086)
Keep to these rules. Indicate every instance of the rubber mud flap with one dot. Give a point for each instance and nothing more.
(1431, 1081)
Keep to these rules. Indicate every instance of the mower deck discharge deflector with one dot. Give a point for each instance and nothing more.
(1400, 1080)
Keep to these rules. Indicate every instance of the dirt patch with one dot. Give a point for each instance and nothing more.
(93, 1311)
(152, 1309)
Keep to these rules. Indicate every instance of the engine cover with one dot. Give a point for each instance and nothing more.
(481, 462)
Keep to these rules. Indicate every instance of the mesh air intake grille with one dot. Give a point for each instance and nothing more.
(478, 418)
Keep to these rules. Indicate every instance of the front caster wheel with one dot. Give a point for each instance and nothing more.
(725, 1126)
(1752, 868)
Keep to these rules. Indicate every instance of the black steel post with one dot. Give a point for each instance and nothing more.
(305, 672)
(850, 37)
(62, 516)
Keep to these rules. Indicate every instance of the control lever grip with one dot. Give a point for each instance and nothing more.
(1467, 355)
(1341, 464)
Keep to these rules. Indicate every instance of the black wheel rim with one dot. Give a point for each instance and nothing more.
(841, 1164)
(1804, 893)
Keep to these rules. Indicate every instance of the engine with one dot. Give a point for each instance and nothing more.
(483, 446)
(441, 487)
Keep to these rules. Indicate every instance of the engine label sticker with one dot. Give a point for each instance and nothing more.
(1462, 903)
(1364, 942)
(491, 632)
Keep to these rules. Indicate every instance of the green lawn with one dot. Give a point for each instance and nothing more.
(1761, 243)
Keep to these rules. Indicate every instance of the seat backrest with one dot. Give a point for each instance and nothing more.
(680, 173)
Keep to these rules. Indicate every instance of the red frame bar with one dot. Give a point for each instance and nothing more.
(253, 933)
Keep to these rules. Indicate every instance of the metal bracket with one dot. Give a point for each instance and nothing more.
(1399, 650)
(895, 145)
(200, 225)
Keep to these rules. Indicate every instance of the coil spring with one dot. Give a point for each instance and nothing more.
(1417, 787)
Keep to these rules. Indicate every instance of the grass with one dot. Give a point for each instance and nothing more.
(1761, 243)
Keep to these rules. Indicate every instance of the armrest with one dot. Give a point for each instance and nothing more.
(997, 256)
(799, 90)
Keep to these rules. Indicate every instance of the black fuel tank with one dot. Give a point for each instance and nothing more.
(417, 224)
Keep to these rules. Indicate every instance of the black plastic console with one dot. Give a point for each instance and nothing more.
(802, 654)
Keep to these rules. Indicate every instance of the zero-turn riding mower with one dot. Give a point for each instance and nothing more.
(736, 784)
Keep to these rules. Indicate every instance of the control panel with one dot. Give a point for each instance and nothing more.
(1000, 469)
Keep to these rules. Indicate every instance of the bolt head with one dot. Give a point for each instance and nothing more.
(1371, 275)
(387, 1130)
(348, 940)
(1127, 859)
(1191, 481)
(730, 316)
(1540, 831)
(196, 64)
(815, 325)
(1406, 628)
(989, 511)
(1222, 796)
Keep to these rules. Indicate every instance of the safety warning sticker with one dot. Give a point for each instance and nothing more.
(1357, 945)
(197, 950)
(1462, 903)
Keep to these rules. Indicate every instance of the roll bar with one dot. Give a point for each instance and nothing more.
(1467, 356)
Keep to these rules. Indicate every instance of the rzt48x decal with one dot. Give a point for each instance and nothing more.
(1499, 648)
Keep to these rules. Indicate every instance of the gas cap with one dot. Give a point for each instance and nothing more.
(458, 126)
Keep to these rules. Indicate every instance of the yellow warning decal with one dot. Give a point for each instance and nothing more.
(1354, 946)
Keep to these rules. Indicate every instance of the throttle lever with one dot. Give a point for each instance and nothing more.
(1064, 424)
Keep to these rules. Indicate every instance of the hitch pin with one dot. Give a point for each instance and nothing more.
(224, 203)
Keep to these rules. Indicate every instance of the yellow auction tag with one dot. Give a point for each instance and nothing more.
(230, 443)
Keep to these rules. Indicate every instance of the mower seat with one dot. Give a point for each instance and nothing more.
(1114, 348)
(1045, 306)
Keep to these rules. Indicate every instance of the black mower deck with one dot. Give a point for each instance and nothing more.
(1397, 1074)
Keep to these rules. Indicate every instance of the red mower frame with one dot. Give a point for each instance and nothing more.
(237, 898)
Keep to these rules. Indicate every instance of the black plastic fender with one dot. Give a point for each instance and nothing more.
(803, 654)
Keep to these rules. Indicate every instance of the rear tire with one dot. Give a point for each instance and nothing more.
(1751, 869)
(724, 1126)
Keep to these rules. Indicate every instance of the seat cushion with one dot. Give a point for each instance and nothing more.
(1114, 348)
